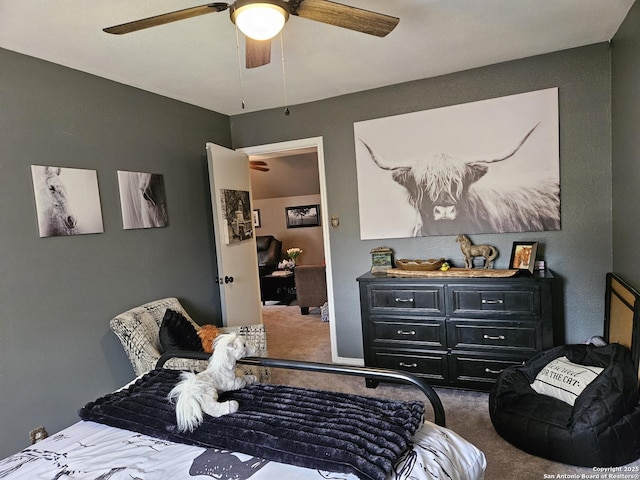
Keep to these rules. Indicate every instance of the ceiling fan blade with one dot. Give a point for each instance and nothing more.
(258, 52)
(260, 163)
(261, 169)
(166, 18)
(345, 16)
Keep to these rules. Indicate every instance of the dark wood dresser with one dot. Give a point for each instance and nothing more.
(458, 332)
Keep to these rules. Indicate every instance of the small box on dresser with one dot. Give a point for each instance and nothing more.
(458, 332)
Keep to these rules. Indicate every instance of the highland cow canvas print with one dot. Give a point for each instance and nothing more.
(67, 201)
(490, 166)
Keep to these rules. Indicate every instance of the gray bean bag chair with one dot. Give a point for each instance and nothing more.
(601, 429)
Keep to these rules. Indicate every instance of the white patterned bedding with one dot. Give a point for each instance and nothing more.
(92, 451)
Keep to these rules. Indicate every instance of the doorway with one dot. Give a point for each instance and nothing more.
(303, 148)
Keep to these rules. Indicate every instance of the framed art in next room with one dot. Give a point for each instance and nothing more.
(303, 216)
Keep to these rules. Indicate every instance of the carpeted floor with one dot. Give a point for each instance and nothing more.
(305, 337)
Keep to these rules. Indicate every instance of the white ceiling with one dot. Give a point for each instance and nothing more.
(291, 174)
(196, 60)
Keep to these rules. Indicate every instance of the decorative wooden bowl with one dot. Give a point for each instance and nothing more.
(452, 272)
(419, 265)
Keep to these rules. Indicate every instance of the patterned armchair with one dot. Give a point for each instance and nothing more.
(138, 331)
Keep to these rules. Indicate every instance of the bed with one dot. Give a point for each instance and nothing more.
(622, 316)
(392, 440)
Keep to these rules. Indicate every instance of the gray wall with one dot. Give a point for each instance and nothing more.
(580, 254)
(58, 294)
(626, 147)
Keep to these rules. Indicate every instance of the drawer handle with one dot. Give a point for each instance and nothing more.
(406, 332)
(495, 372)
(489, 337)
(492, 302)
(404, 300)
(408, 365)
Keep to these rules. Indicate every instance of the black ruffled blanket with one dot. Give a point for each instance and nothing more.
(308, 428)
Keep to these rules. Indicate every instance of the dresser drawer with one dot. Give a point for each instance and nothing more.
(423, 332)
(425, 364)
(494, 301)
(505, 336)
(478, 371)
(427, 300)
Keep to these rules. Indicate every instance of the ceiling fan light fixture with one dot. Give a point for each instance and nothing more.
(260, 20)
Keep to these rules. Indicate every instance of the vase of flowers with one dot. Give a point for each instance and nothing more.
(294, 253)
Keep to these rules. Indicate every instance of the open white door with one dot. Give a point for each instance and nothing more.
(235, 246)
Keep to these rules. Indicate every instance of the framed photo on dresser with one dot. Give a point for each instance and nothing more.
(523, 256)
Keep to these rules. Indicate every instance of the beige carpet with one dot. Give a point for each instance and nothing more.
(305, 337)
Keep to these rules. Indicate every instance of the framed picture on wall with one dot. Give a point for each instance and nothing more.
(484, 153)
(523, 256)
(256, 218)
(67, 201)
(238, 216)
(303, 216)
(143, 200)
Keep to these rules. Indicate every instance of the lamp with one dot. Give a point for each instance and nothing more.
(260, 20)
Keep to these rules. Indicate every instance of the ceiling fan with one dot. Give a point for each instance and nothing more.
(258, 165)
(258, 45)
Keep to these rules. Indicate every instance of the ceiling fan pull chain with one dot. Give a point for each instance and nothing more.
(284, 78)
(239, 68)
